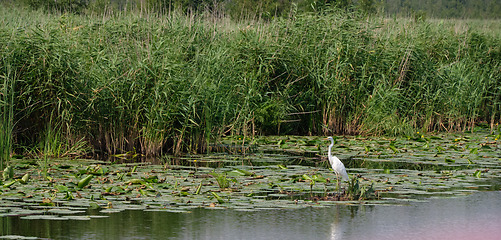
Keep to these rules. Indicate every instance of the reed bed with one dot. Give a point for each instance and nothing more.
(174, 83)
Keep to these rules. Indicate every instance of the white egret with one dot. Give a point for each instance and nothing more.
(337, 165)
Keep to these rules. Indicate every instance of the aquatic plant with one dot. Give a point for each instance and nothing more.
(356, 191)
(222, 181)
(275, 176)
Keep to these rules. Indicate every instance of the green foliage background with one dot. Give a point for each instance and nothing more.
(169, 79)
(267, 9)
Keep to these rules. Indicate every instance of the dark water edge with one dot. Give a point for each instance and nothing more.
(477, 216)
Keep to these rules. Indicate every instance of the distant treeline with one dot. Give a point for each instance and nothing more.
(445, 8)
(267, 9)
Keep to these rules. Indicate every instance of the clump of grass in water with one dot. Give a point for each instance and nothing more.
(357, 192)
(222, 181)
(354, 191)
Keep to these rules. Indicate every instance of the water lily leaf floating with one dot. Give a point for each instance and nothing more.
(61, 188)
(448, 160)
(25, 178)
(151, 179)
(8, 173)
(240, 172)
(84, 181)
(218, 198)
(17, 237)
(69, 196)
(280, 166)
(93, 206)
(135, 181)
(9, 184)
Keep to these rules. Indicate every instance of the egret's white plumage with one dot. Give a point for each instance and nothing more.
(336, 164)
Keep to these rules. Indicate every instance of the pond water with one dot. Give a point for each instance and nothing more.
(475, 216)
(417, 187)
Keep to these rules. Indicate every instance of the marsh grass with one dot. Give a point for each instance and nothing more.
(357, 191)
(177, 82)
(7, 119)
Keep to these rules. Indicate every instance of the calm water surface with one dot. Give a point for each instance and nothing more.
(477, 216)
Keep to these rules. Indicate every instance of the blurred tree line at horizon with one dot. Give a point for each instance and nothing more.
(268, 9)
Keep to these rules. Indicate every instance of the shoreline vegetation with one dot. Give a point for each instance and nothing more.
(151, 83)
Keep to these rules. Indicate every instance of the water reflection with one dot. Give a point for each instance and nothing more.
(475, 217)
(338, 226)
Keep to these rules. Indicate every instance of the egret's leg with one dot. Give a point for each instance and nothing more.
(337, 181)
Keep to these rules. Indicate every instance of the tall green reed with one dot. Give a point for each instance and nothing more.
(7, 112)
(176, 83)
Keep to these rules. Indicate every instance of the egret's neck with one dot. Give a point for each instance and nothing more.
(330, 147)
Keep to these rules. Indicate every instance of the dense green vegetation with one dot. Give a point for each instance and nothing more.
(153, 83)
(445, 8)
(267, 9)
